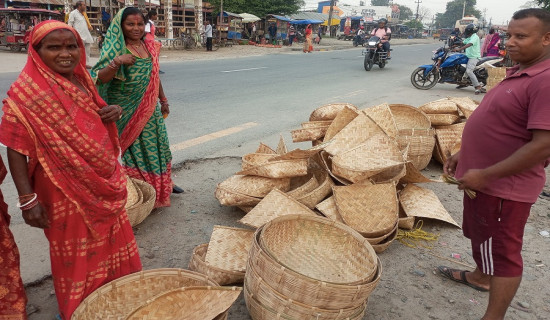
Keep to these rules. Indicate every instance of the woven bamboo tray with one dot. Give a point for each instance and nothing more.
(319, 249)
(191, 303)
(278, 169)
(308, 134)
(343, 118)
(406, 223)
(312, 198)
(382, 246)
(441, 106)
(305, 188)
(263, 148)
(275, 204)
(222, 277)
(329, 210)
(383, 117)
(326, 163)
(259, 311)
(409, 117)
(355, 133)
(306, 290)
(370, 210)
(446, 139)
(228, 248)
(229, 197)
(414, 175)
(443, 119)
(380, 239)
(140, 211)
(253, 160)
(389, 175)
(270, 298)
(116, 299)
(420, 144)
(329, 111)
(466, 105)
(422, 202)
(254, 186)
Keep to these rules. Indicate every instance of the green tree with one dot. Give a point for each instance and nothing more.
(405, 13)
(544, 4)
(414, 24)
(453, 12)
(259, 8)
(384, 3)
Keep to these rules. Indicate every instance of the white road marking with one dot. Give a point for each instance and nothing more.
(248, 69)
(211, 136)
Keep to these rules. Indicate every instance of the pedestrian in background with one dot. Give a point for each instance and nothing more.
(272, 33)
(490, 44)
(291, 33)
(308, 44)
(79, 22)
(127, 75)
(63, 152)
(208, 35)
(505, 150)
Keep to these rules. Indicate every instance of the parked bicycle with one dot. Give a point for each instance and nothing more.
(185, 41)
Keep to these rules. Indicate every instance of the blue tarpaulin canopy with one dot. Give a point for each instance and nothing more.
(306, 21)
(282, 18)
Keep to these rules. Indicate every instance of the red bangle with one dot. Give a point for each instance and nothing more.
(164, 99)
(30, 206)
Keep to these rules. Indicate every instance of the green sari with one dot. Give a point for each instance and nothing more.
(142, 131)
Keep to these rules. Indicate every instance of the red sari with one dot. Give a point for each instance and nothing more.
(74, 169)
(12, 293)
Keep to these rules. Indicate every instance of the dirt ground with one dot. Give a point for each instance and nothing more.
(410, 288)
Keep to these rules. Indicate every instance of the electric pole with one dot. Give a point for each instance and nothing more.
(220, 22)
(330, 12)
(418, 2)
(463, 8)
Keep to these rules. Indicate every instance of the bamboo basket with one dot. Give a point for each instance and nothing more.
(278, 169)
(140, 211)
(329, 210)
(191, 303)
(383, 117)
(269, 297)
(306, 290)
(304, 188)
(355, 133)
(421, 144)
(222, 277)
(308, 134)
(343, 118)
(118, 298)
(409, 117)
(229, 197)
(315, 196)
(329, 111)
(254, 186)
(382, 246)
(441, 106)
(443, 119)
(228, 248)
(319, 249)
(253, 160)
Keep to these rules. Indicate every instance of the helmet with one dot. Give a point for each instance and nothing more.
(470, 29)
(383, 20)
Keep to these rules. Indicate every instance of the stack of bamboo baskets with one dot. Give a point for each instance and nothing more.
(496, 75)
(306, 267)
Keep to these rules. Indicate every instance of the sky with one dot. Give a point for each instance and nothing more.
(499, 10)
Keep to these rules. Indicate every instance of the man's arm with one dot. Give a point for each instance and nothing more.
(71, 19)
(532, 153)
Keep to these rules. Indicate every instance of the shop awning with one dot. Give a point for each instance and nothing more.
(282, 18)
(248, 17)
(306, 21)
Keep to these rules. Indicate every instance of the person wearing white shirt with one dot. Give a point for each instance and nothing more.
(208, 34)
(78, 22)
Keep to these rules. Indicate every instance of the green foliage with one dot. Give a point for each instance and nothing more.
(544, 4)
(405, 13)
(260, 8)
(453, 12)
(414, 24)
(384, 3)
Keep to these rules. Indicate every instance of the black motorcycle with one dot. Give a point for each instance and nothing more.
(359, 40)
(374, 53)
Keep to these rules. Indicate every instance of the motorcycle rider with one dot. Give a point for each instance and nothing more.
(359, 34)
(384, 33)
(472, 47)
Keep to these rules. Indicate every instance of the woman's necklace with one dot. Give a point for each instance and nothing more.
(137, 48)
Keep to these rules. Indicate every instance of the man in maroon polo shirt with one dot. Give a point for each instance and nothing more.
(505, 148)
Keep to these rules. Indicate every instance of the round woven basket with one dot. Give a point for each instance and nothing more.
(255, 186)
(307, 290)
(409, 117)
(222, 277)
(320, 249)
(118, 298)
(134, 195)
(329, 111)
(228, 197)
(191, 303)
(443, 119)
(273, 300)
(140, 211)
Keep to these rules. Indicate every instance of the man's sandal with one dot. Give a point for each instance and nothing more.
(448, 273)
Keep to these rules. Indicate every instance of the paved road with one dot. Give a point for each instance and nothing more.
(226, 107)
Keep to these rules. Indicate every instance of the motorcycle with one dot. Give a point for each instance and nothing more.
(374, 54)
(450, 67)
(359, 40)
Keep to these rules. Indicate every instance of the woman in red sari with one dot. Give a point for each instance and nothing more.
(63, 155)
(308, 44)
(12, 293)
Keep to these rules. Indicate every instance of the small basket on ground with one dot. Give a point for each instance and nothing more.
(138, 212)
(222, 277)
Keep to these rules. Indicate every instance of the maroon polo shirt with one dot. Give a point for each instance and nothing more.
(502, 124)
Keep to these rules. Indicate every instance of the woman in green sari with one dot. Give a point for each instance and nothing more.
(127, 75)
